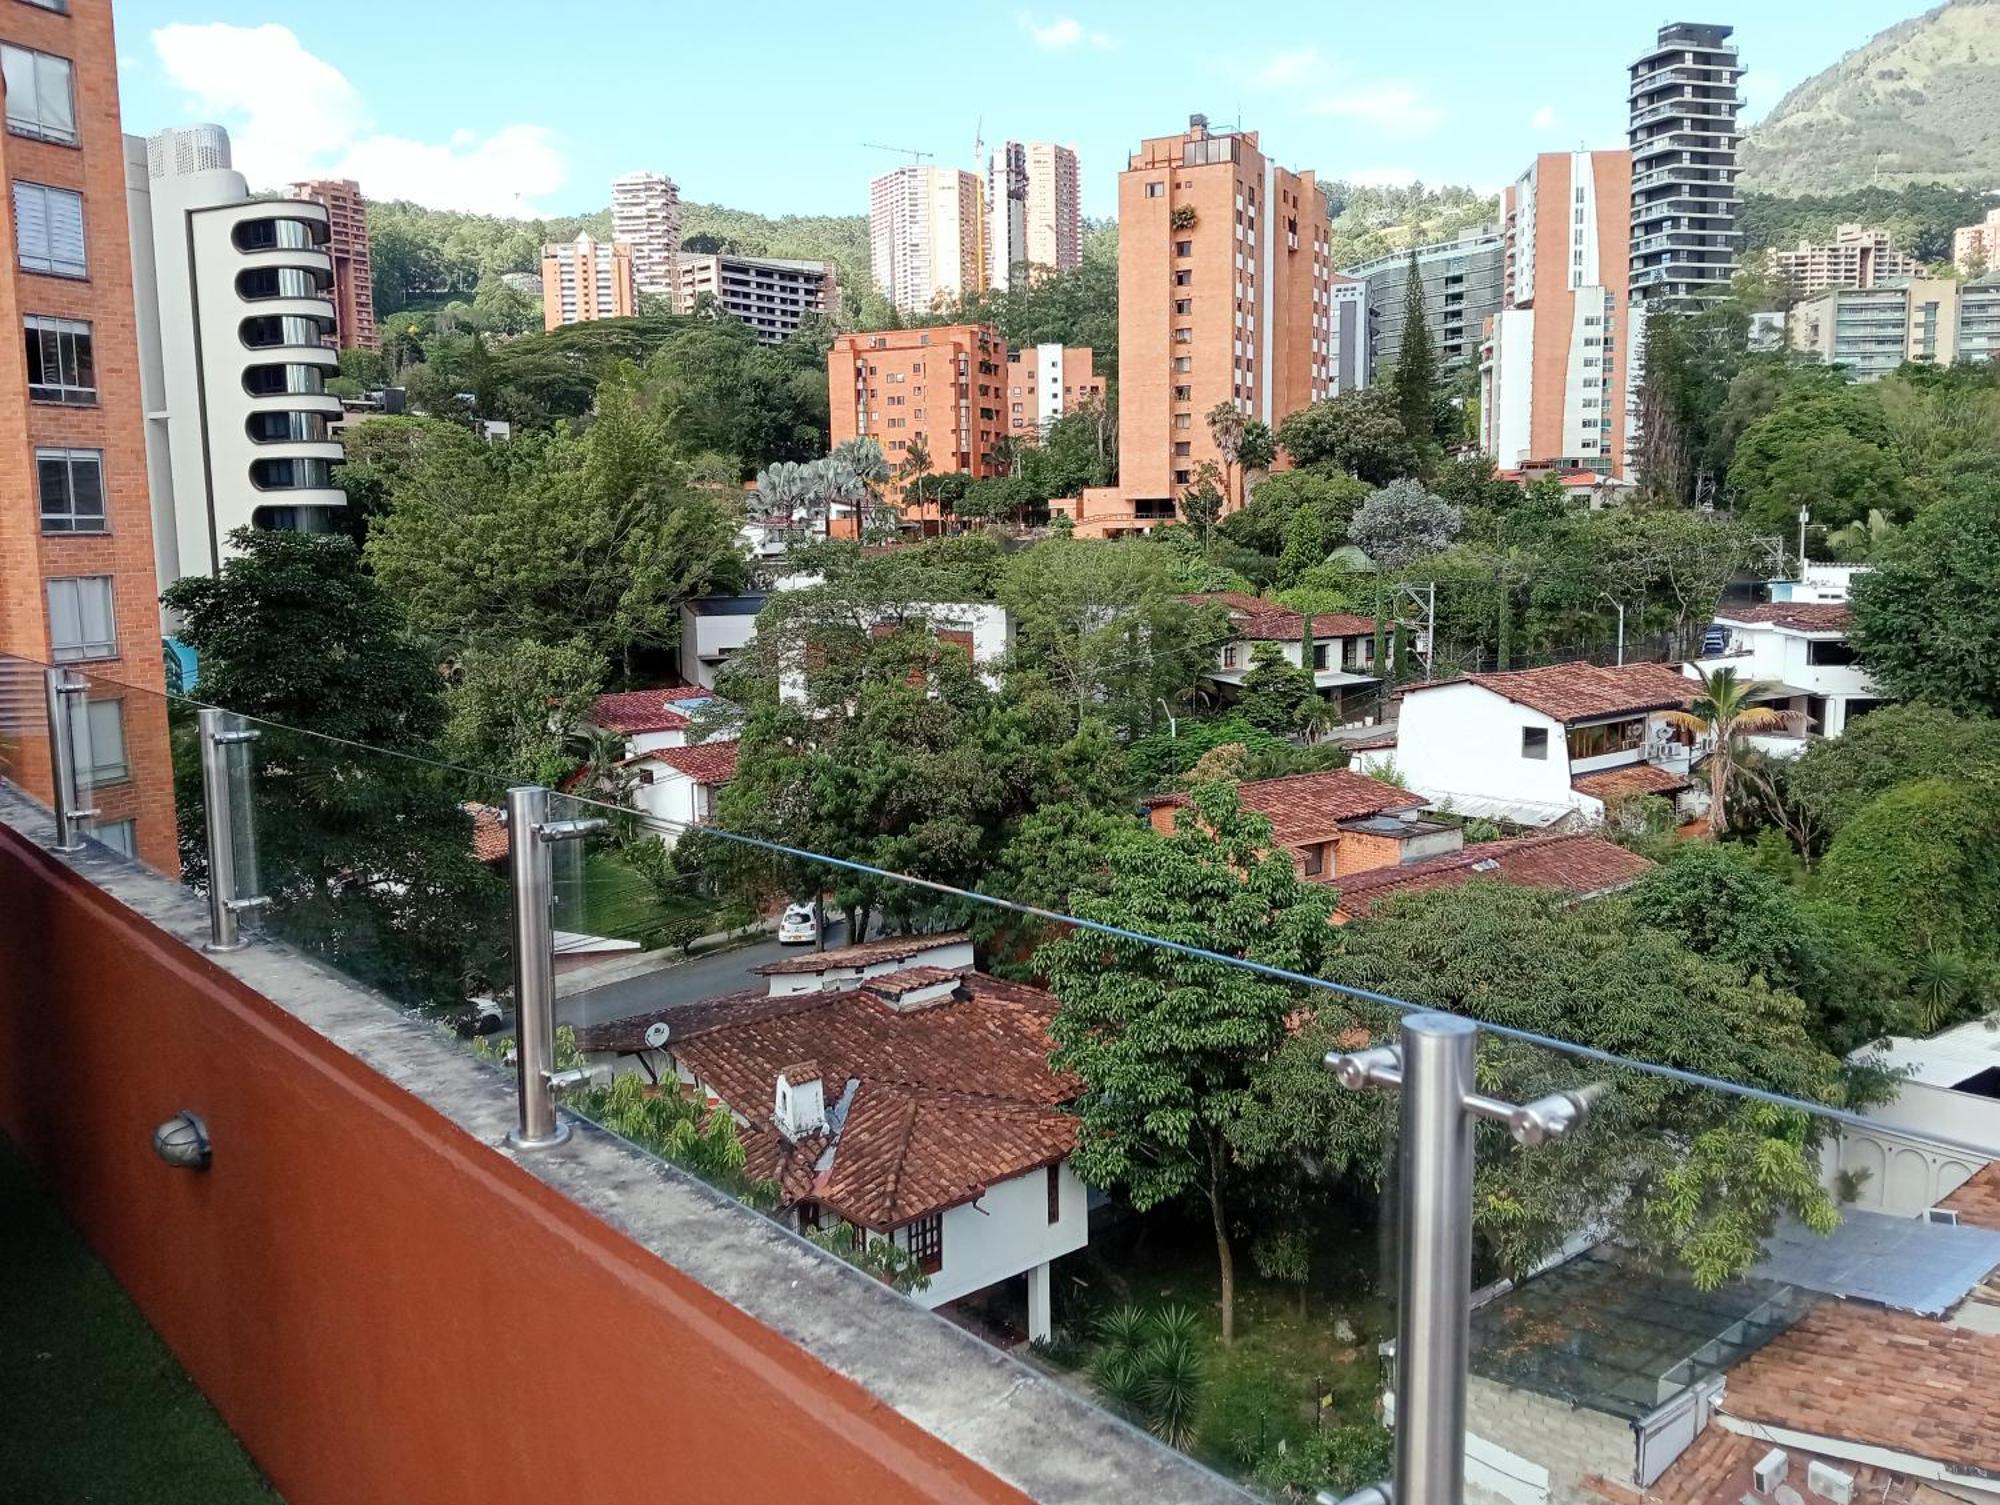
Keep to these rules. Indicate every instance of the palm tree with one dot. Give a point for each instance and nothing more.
(1725, 711)
(1226, 424)
(915, 466)
(1319, 718)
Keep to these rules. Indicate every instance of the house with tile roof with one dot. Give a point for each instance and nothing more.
(674, 781)
(1578, 863)
(909, 1100)
(1552, 746)
(1799, 651)
(1343, 668)
(1332, 823)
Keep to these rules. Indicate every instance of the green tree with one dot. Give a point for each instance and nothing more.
(1918, 869)
(1226, 425)
(1725, 711)
(1895, 744)
(515, 709)
(1264, 521)
(1167, 1046)
(1402, 521)
(1416, 378)
(1204, 502)
(1822, 447)
(1927, 619)
(363, 848)
(1360, 432)
(1277, 694)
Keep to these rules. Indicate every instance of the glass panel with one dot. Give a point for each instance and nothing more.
(123, 742)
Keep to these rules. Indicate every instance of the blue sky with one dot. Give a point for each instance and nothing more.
(767, 106)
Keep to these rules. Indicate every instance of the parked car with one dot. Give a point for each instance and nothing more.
(799, 926)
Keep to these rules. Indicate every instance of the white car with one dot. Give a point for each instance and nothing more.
(798, 927)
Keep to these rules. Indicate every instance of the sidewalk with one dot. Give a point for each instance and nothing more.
(625, 966)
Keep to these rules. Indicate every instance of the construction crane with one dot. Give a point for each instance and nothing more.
(911, 152)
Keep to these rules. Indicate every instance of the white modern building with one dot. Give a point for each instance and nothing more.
(1950, 1090)
(646, 215)
(235, 314)
(983, 630)
(1798, 650)
(1542, 747)
(1034, 212)
(926, 236)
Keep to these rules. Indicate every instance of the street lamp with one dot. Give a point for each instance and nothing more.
(1619, 606)
(1803, 515)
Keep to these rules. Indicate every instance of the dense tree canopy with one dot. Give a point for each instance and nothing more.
(1927, 620)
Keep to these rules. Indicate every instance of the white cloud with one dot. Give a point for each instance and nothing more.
(1289, 69)
(1543, 119)
(1382, 177)
(293, 115)
(1063, 33)
(1392, 107)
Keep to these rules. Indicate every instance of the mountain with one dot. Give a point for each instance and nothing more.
(1919, 103)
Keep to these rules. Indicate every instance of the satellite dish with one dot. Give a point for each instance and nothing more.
(656, 1035)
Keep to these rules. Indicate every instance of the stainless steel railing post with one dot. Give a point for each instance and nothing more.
(217, 735)
(531, 878)
(60, 687)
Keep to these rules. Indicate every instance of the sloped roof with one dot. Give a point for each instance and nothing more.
(894, 948)
(1579, 863)
(1583, 691)
(1978, 1201)
(947, 1099)
(1799, 616)
(1310, 806)
(1633, 778)
(489, 833)
(1716, 1470)
(708, 763)
(633, 711)
(1259, 620)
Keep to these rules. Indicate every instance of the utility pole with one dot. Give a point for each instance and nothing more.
(1619, 606)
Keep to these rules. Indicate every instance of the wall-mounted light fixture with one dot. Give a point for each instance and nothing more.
(183, 1141)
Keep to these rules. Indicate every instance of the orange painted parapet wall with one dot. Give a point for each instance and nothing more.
(381, 1306)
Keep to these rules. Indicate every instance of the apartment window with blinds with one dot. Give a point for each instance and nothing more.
(119, 835)
(61, 367)
(104, 742)
(41, 101)
(71, 482)
(48, 230)
(81, 624)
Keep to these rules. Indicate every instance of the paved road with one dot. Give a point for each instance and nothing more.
(689, 982)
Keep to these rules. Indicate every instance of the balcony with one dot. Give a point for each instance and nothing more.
(406, 1224)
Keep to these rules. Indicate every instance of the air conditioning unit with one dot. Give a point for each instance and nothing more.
(1829, 1483)
(1945, 1215)
(1769, 1472)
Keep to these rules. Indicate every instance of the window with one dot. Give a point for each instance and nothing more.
(1183, 248)
(1606, 737)
(61, 367)
(279, 235)
(60, 7)
(104, 742)
(1315, 859)
(1229, 655)
(119, 835)
(1183, 305)
(1183, 394)
(289, 428)
(71, 483)
(1319, 656)
(80, 619)
(1154, 190)
(1055, 1195)
(266, 330)
(925, 1241)
(291, 474)
(1183, 336)
(1182, 448)
(1535, 743)
(1183, 278)
(48, 230)
(281, 282)
(40, 100)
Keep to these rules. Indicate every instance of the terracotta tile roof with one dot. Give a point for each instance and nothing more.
(909, 978)
(1371, 744)
(489, 833)
(892, 948)
(946, 1100)
(1978, 1201)
(629, 1033)
(708, 763)
(1259, 620)
(1306, 807)
(1800, 616)
(1579, 862)
(1716, 1468)
(1856, 1374)
(1583, 691)
(1633, 778)
(631, 711)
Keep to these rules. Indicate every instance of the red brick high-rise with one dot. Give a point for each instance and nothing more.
(77, 583)
(353, 268)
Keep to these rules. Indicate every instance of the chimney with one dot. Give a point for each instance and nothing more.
(801, 1102)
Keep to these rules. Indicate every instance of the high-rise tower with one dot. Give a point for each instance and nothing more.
(646, 215)
(1683, 134)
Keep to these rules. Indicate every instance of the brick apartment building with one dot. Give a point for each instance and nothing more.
(1556, 365)
(587, 279)
(76, 540)
(353, 268)
(1857, 256)
(1225, 294)
(953, 385)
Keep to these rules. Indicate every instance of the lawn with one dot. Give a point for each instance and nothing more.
(618, 902)
(1290, 1372)
(97, 1409)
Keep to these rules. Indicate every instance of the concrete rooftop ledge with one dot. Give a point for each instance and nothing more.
(1025, 1429)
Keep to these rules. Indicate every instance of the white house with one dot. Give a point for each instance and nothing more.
(1541, 746)
(712, 629)
(1343, 663)
(1951, 1088)
(983, 630)
(1798, 648)
(909, 1100)
(675, 782)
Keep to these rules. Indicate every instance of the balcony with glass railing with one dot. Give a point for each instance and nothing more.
(510, 1096)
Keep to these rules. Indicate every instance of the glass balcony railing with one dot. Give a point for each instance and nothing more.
(1448, 1186)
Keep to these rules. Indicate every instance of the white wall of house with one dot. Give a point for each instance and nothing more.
(991, 627)
(1462, 741)
(1771, 654)
(707, 640)
(1906, 1170)
(672, 798)
(1007, 1232)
